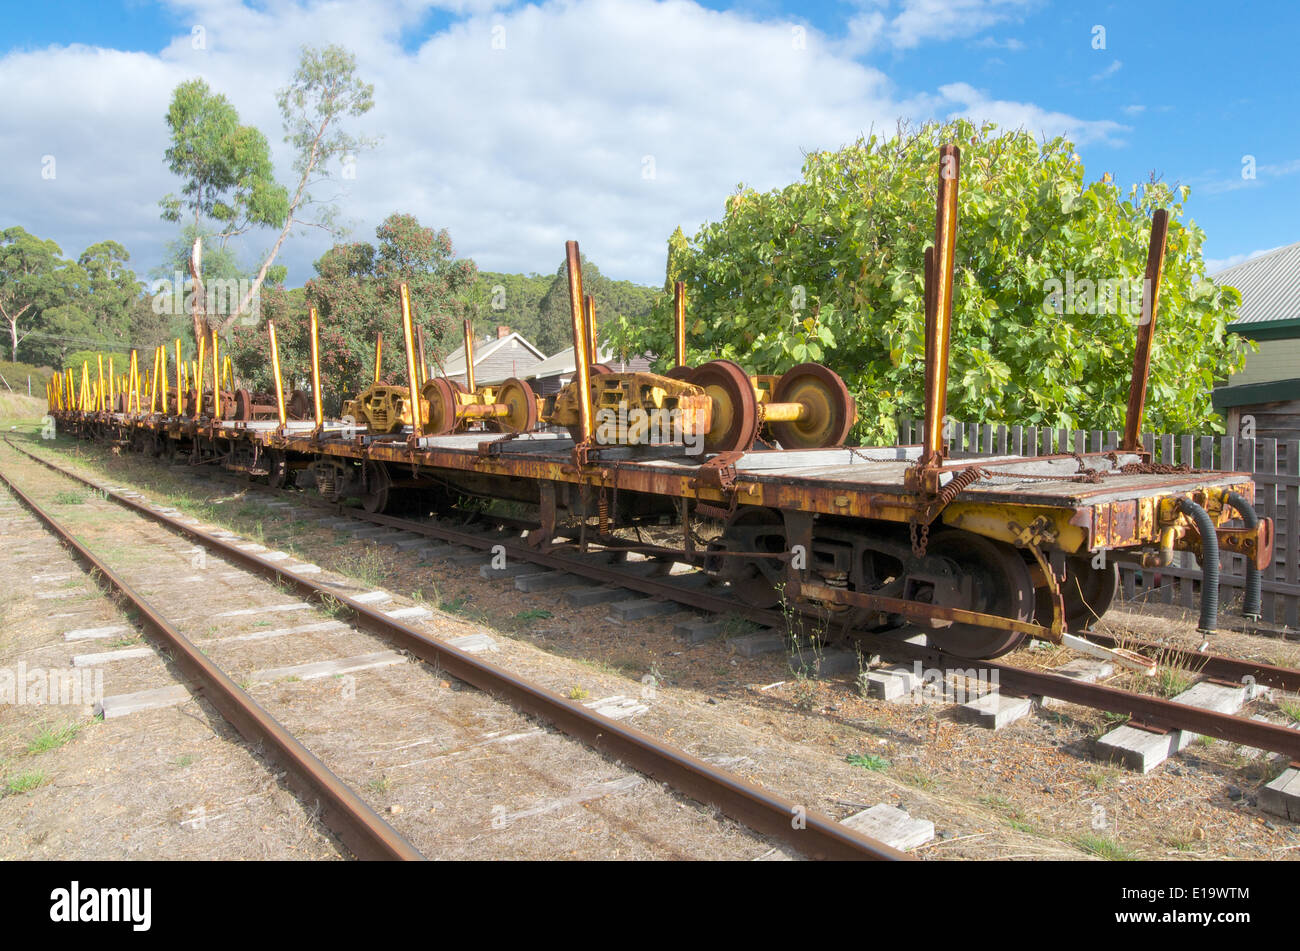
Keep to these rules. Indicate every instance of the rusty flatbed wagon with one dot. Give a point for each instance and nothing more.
(983, 553)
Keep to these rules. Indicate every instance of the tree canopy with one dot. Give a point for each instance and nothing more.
(829, 269)
(355, 292)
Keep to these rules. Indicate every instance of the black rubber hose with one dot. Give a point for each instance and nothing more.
(1250, 607)
(1209, 565)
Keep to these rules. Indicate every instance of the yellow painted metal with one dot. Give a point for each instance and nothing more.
(408, 337)
(1005, 522)
(133, 396)
(582, 359)
(198, 376)
(420, 353)
(593, 353)
(314, 322)
(162, 379)
(99, 393)
(783, 412)
(469, 356)
(216, 379)
(153, 382)
(679, 322)
(180, 374)
(379, 353)
(945, 247)
(275, 370)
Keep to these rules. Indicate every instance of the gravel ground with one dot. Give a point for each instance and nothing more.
(1032, 790)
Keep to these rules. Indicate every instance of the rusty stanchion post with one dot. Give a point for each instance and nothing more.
(679, 322)
(1137, 390)
(417, 430)
(581, 359)
(275, 369)
(314, 323)
(592, 353)
(469, 356)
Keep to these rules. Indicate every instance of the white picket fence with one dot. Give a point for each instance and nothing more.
(1274, 465)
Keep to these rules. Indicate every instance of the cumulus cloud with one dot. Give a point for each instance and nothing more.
(975, 105)
(609, 121)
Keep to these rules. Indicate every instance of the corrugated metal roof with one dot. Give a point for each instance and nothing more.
(1269, 286)
(454, 362)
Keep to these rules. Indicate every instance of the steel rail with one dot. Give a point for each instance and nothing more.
(1212, 665)
(1147, 710)
(1153, 711)
(808, 831)
(346, 814)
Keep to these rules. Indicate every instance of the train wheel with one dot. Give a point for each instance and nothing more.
(1088, 593)
(299, 406)
(756, 581)
(277, 464)
(519, 396)
(735, 408)
(440, 394)
(599, 369)
(1000, 583)
(680, 373)
(378, 484)
(243, 405)
(829, 409)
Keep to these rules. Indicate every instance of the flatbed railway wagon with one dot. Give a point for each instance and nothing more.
(980, 554)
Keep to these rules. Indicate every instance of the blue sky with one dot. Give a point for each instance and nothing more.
(516, 150)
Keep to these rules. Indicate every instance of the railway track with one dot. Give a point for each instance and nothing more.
(1147, 711)
(362, 830)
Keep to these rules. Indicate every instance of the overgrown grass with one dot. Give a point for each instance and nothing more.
(69, 497)
(871, 761)
(25, 782)
(51, 738)
(1105, 847)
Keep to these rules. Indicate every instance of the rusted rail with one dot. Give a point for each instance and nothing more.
(345, 813)
(804, 829)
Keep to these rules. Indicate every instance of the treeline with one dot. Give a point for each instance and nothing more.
(57, 311)
(61, 312)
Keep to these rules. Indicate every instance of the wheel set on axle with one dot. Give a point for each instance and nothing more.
(510, 407)
(960, 570)
(809, 407)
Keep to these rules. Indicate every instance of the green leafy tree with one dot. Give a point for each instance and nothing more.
(616, 302)
(225, 168)
(325, 89)
(829, 269)
(34, 279)
(356, 295)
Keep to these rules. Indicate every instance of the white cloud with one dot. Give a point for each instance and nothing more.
(1262, 174)
(1023, 115)
(1114, 67)
(1215, 265)
(921, 20)
(513, 150)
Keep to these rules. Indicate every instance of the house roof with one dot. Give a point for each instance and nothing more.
(1270, 293)
(1251, 394)
(454, 362)
(561, 363)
